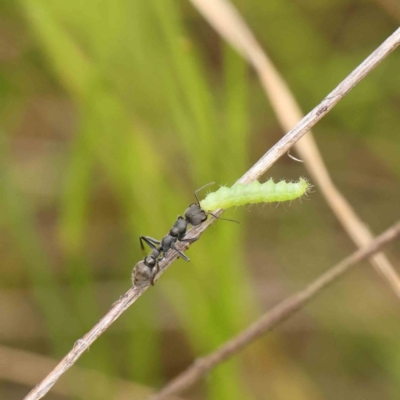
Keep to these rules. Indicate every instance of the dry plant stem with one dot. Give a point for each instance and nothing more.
(230, 25)
(254, 173)
(271, 319)
(283, 146)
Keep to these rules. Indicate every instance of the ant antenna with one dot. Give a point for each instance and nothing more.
(224, 219)
(198, 190)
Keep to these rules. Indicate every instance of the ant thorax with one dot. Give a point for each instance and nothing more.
(167, 242)
(179, 228)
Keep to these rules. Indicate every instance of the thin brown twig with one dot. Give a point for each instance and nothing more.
(254, 173)
(225, 19)
(271, 319)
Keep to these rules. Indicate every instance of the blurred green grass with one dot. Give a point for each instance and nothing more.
(122, 109)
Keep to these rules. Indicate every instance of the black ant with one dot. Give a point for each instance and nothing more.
(194, 215)
(147, 268)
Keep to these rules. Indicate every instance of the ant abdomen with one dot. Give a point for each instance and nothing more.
(143, 274)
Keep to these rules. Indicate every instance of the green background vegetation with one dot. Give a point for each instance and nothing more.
(112, 114)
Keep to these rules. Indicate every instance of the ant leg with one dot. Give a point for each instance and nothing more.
(149, 241)
(189, 240)
(180, 253)
(154, 273)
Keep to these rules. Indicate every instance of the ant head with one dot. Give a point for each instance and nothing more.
(195, 215)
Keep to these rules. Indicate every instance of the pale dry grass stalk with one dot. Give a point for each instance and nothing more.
(26, 368)
(258, 169)
(271, 319)
(392, 7)
(225, 19)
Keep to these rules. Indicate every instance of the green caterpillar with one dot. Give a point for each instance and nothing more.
(256, 192)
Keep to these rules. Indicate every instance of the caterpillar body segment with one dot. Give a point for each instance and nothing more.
(256, 192)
